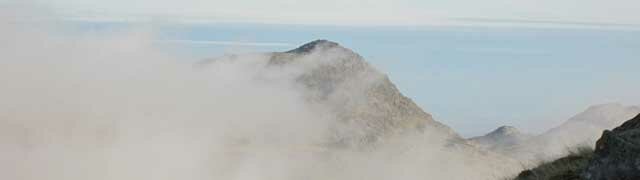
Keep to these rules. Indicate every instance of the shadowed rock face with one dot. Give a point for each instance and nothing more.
(617, 154)
(367, 104)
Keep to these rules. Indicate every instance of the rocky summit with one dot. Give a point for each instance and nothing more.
(367, 104)
(367, 107)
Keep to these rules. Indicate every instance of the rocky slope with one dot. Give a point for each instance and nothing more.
(616, 157)
(367, 105)
(368, 108)
(375, 132)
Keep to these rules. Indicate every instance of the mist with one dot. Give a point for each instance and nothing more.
(114, 106)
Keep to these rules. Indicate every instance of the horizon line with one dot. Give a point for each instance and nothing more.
(446, 22)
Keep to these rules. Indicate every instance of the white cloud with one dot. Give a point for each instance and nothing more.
(111, 106)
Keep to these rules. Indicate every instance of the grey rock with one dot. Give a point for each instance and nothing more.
(617, 154)
(366, 104)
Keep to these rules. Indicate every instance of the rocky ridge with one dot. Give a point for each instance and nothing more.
(363, 98)
(366, 104)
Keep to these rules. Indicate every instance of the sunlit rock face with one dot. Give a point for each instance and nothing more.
(366, 105)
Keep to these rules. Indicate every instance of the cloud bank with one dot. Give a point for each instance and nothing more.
(112, 106)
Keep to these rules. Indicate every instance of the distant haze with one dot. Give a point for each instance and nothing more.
(352, 12)
(117, 106)
(129, 101)
(472, 78)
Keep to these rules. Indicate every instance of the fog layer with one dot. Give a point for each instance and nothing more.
(113, 106)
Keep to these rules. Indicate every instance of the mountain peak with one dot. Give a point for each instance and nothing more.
(505, 130)
(366, 105)
(307, 48)
(502, 136)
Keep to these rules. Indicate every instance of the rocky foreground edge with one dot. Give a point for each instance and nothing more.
(616, 157)
(617, 154)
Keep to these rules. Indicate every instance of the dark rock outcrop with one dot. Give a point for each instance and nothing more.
(617, 154)
(566, 168)
(616, 157)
